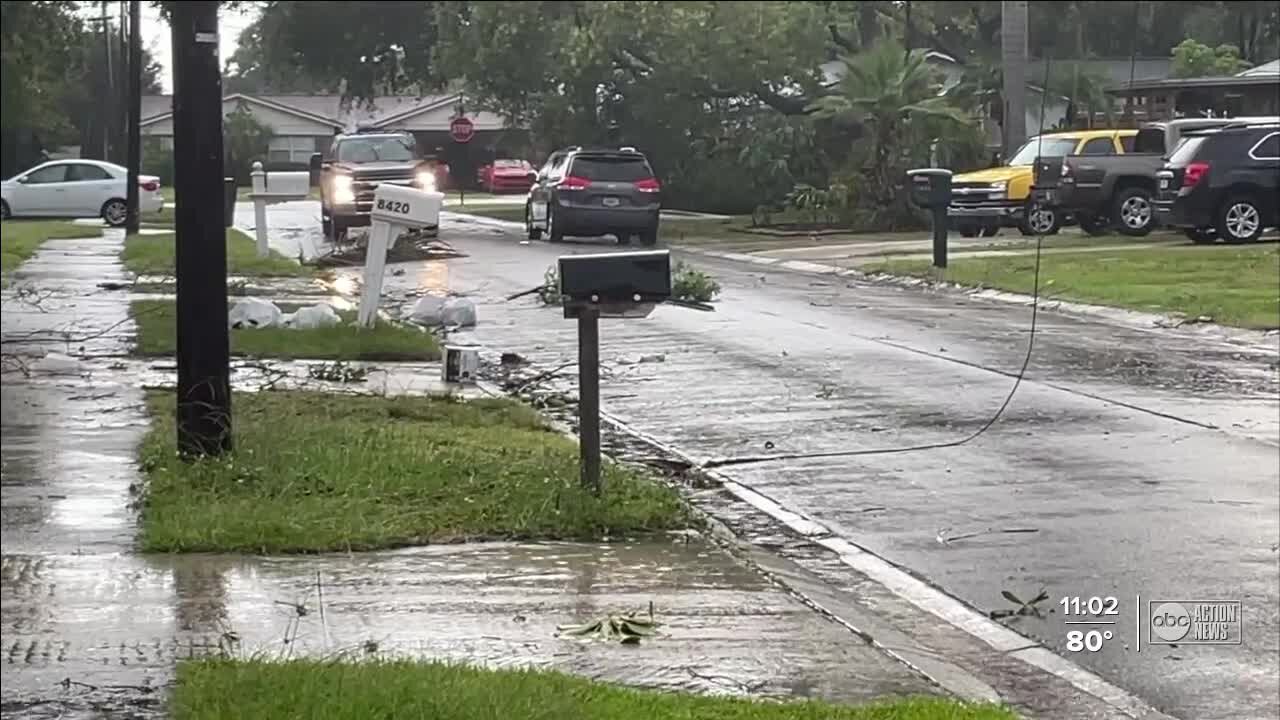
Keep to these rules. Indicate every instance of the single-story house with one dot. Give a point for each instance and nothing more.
(306, 124)
(1253, 92)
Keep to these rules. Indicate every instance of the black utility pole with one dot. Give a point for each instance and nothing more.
(589, 397)
(134, 132)
(204, 378)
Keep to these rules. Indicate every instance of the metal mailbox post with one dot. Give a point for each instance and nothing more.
(399, 207)
(931, 188)
(619, 285)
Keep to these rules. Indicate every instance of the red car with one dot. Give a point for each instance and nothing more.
(505, 176)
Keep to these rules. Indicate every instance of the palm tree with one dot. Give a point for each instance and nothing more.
(896, 98)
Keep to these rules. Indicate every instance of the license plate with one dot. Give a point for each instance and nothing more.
(1049, 196)
(1164, 183)
(611, 202)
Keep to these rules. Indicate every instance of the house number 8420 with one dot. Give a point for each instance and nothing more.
(394, 206)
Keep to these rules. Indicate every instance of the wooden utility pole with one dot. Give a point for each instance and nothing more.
(134, 103)
(1013, 46)
(108, 82)
(204, 377)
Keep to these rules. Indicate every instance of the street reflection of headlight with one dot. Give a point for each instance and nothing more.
(343, 191)
(427, 181)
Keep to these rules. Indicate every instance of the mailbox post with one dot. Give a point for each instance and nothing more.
(931, 189)
(395, 208)
(272, 188)
(619, 285)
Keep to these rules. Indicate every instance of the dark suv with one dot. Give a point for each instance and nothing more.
(354, 167)
(594, 192)
(1223, 184)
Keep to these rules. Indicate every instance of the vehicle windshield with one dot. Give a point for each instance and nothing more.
(1049, 147)
(1186, 150)
(611, 169)
(375, 149)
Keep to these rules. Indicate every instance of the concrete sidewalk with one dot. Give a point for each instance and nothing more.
(94, 630)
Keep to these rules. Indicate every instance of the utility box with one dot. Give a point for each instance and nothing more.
(615, 284)
(461, 364)
(930, 187)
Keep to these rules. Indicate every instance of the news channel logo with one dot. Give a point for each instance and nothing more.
(1195, 622)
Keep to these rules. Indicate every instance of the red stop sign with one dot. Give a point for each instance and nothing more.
(462, 130)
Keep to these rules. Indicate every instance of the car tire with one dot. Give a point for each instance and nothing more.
(649, 237)
(1134, 212)
(115, 212)
(969, 231)
(1239, 220)
(990, 230)
(337, 232)
(531, 232)
(554, 233)
(1093, 225)
(1039, 220)
(1201, 236)
(624, 238)
(5, 212)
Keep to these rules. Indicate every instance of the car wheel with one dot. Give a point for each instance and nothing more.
(1201, 236)
(990, 230)
(1039, 220)
(624, 238)
(554, 233)
(1093, 225)
(337, 232)
(1134, 212)
(968, 231)
(649, 237)
(5, 213)
(1239, 220)
(115, 212)
(532, 232)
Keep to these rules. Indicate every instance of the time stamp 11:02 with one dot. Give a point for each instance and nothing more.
(1092, 622)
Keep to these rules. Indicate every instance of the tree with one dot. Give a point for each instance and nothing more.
(1195, 59)
(895, 96)
(245, 140)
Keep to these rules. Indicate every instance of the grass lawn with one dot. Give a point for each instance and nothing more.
(221, 690)
(20, 238)
(157, 335)
(154, 255)
(1232, 285)
(498, 212)
(316, 472)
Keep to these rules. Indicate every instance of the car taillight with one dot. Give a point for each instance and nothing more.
(150, 185)
(1193, 173)
(648, 185)
(572, 182)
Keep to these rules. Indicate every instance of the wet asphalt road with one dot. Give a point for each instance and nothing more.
(1141, 462)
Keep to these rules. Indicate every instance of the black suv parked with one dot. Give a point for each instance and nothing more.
(594, 192)
(1223, 184)
(352, 169)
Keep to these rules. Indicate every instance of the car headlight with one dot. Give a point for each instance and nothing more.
(999, 188)
(342, 188)
(427, 181)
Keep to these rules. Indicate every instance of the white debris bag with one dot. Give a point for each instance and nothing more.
(56, 363)
(314, 316)
(428, 311)
(459, 312)
(254, 312)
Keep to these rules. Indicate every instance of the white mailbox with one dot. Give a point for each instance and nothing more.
(270, 188)
(395, 208)
(406, 206)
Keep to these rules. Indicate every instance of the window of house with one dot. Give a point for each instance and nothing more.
(291, 149)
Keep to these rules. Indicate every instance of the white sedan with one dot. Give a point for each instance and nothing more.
(77, 188)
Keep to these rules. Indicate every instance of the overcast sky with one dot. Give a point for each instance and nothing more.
(155, 37)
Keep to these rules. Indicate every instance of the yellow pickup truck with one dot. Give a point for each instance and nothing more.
(984, 201)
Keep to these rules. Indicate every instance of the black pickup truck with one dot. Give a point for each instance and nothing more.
(352, 169)
(1108, 189)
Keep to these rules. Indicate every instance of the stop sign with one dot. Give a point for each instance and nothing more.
(462, 130)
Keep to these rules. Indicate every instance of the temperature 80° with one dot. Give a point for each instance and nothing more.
(1090, 640)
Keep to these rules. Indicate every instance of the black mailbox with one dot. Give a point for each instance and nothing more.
(615, 284)
(930, 187)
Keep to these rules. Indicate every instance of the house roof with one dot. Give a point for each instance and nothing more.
(1226, 81)
(326, 109)
(1114, 70)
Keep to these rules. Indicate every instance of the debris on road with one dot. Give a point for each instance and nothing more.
(313, 316)
(252, 312)
(626, 629)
